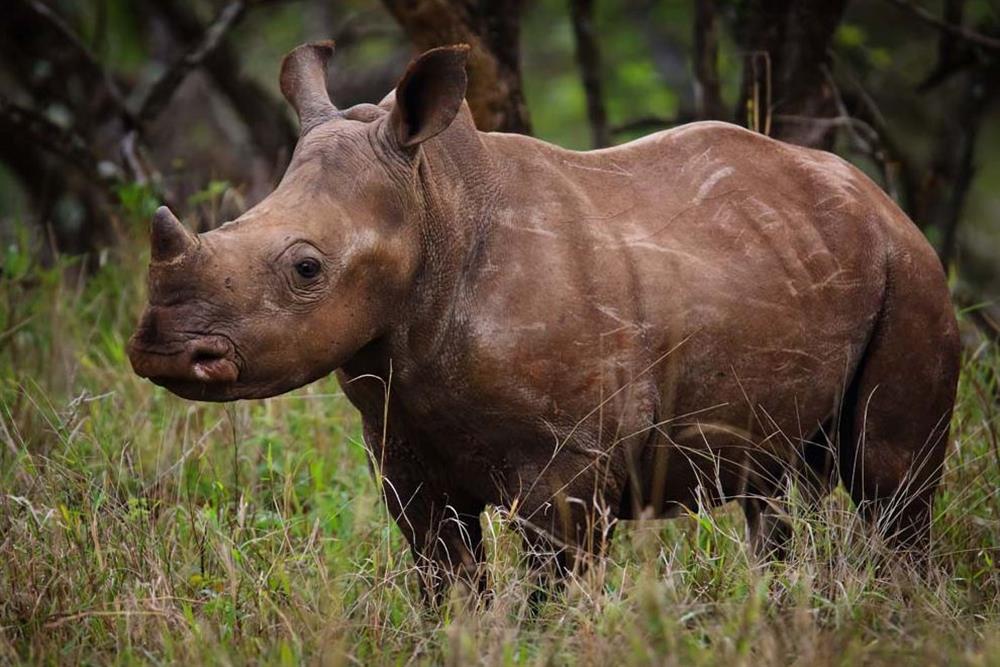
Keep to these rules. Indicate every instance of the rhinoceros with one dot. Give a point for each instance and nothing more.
(698, 316)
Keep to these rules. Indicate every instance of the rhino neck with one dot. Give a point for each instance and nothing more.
(459, 188)
(459, 191)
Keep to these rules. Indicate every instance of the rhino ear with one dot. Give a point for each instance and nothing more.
(303, 83)
(429, 95)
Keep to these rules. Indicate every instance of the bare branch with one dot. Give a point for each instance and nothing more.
(46, 19)
(64, 144)
(898, 165)
(967, 34)
(953, 53)
(66, 33)
(871, 144)
(161, 92)
(262, 112)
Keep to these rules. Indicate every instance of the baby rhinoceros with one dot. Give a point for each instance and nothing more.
(698, 316)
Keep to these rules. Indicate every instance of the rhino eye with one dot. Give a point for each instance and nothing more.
(307, 268)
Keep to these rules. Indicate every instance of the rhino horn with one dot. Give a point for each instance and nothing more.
(169, 238)
(303, 83)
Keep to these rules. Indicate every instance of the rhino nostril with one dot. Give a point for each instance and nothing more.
(202, 356)
(211, 362)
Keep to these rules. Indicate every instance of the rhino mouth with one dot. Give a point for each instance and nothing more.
(196, 361)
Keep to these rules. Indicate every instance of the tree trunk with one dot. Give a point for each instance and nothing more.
(953, 167)
(491, 28)
(588, 58)
(785, 80)
(707, 91)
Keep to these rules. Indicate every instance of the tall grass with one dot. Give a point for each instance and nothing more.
(136, 527)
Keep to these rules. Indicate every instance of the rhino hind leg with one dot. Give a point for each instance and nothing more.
(897, 413)
(765, 502)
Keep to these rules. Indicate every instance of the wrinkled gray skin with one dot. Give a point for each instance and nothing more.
(693, 317)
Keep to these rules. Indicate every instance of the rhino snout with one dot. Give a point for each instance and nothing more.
(204, 359)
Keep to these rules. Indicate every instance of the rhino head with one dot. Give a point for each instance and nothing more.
(296, 286)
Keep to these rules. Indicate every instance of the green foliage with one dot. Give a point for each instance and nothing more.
(853, 40)
(138, 200)
(19, 254)
(551, 85)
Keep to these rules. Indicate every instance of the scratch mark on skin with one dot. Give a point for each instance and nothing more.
(626, 325)
(712, 181)
(612, 332)
(833, 202)
(687, 209)
(788, 350)
(829, 280)
(618, 171)
(533, 230)
(694, 258)
(831, 173)
(613, 314)
(697, 160)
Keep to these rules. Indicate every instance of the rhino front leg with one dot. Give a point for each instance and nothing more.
(439, 522)
(567, 525)
(441, 526)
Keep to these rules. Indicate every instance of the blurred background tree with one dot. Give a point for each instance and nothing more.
(117, 105)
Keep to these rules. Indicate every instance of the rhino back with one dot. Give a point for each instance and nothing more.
(704, 266)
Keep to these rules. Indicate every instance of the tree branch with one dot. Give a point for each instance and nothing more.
(898, 164)
(968, 35)
(262, 113)
(165, 87)
(64, 144)
(40, 17)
